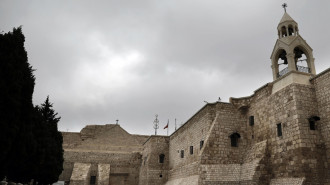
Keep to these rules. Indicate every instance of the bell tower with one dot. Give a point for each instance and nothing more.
(291, 53)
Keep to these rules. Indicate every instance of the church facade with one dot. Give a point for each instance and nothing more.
(279, 135)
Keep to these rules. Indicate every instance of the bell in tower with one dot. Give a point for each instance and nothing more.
(291, 53)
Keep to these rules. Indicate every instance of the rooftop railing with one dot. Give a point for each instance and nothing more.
(299, 68)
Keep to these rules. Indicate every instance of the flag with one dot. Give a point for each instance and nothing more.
(167, 124)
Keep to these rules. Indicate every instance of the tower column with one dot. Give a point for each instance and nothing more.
(291, 62)
(287, 31)
(275, 70)
(311, 66)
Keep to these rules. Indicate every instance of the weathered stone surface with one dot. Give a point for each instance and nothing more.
(80, 174)
(103, 174)
(190, 180)
(287, 181)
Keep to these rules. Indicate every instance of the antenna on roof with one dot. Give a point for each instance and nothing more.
(175, 123)
(284, 5)
(156, 124)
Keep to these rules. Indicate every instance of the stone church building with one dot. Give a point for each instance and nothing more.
(279, 135)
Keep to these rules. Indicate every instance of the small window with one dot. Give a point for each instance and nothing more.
(191, 150)
(312, 122)
(251, 120)
(234, 139)
(201, 143)
(279, 129)
(161, 158)
(160, 175)
(93, 180)
(182, 153)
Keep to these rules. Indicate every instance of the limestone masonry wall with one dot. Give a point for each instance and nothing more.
(189, 135)
(322, 90)
(154, 171)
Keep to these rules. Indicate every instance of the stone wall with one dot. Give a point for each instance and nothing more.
(218, 149)
(322, 90)
(121, 163)
(110, 138)
(249, 171)
(287, 181)
(152, 171)
(298, 152)
(190, 134)
(81, 174)
(71, 139)
(103, 174)
(189, 180)
(100, 146)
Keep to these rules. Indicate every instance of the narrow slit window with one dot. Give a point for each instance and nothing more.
(161, 158)
(251, 120)
(279, 129)
(201, 143)
(191, 150)
(182, 153)
(312, 124)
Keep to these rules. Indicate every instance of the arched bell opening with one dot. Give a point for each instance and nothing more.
(282, 63)
(283, 31)
(302, 60)
(291, 30)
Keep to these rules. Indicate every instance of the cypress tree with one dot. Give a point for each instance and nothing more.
(17, 85)
(50, 151)
(30, 144)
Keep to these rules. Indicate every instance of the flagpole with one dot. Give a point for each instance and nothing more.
(175, 123)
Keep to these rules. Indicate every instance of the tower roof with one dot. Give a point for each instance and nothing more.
(286, 17)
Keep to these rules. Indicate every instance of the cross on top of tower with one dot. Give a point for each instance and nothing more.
(284, 5)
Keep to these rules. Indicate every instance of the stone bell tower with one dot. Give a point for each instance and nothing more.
(292, 58)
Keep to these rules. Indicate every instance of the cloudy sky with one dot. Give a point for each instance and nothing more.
(105, 60)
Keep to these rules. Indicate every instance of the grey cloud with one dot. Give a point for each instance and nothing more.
(129, 60)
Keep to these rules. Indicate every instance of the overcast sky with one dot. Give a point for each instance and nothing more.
(105, 60)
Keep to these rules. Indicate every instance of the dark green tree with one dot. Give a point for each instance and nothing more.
(17, 84)
(30, 144)
(50, 151)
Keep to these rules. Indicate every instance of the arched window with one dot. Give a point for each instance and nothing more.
(290, 29)
(301, 60)
(161, 158)
(282, 63)
(283, 30)
(234, 139)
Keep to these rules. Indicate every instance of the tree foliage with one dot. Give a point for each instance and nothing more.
(25, 128)
(17, 84)
(50, 151)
